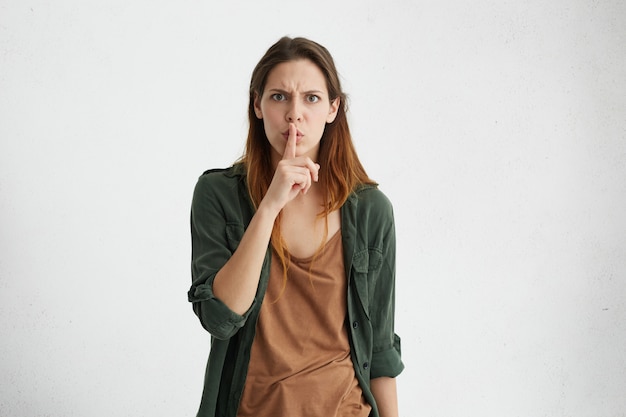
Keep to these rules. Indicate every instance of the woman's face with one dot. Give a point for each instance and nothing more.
(295, 92)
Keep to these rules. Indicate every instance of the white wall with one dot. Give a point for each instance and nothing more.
(497, 129)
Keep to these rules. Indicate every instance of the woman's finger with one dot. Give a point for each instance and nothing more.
(290, 147)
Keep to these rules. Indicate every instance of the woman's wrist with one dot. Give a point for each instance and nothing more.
(268, 211)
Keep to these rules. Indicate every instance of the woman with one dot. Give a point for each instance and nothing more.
(293, 257)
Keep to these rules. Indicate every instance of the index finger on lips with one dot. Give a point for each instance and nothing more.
(290, 147)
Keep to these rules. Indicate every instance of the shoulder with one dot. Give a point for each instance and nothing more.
(219, 189)
(371, 209)
(220, 180)
(371, 199)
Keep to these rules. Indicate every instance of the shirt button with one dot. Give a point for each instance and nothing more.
(355, 324)
(366, 365)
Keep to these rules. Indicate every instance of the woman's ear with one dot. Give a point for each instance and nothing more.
(332, 112)
(257, 107)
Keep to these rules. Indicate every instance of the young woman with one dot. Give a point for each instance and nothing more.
(293, 257)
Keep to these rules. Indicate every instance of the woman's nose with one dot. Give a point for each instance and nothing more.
(294, 114)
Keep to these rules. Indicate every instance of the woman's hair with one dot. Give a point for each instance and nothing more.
(340, 169)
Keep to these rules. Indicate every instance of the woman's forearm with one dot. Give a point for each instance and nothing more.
(386, 396)
(236, 283)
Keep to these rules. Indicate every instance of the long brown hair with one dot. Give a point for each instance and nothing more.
(341, 171)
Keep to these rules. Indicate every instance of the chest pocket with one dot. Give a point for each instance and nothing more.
(366, 265)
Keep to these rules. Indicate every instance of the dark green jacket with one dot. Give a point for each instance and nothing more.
(221, 211)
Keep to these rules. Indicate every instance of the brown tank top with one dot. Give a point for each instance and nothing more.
(300, 362)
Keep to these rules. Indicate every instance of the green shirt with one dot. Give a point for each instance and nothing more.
(221, 210)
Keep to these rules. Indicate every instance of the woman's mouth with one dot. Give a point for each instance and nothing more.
(299, 135)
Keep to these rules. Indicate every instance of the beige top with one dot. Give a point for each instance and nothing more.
(300, 362)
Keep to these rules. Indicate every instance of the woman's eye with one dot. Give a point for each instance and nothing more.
(278, 97)
(313, 99)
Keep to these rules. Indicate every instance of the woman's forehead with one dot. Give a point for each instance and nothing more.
(299, 75)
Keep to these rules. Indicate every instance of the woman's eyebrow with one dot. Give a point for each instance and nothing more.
(280, 90)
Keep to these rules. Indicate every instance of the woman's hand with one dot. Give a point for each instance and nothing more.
(293, 175)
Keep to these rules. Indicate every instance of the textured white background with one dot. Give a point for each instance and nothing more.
(497, 129)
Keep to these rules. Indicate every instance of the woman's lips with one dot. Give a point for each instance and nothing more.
(299, 135)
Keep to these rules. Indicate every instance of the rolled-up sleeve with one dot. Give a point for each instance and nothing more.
(214, 238)
(387, 362)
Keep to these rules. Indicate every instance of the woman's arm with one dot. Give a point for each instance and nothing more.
(386, 361)
(236, 283)
(386, 396)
